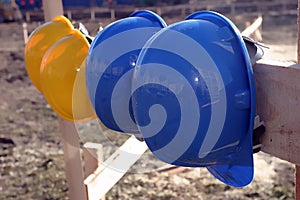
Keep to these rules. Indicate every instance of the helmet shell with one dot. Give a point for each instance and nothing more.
(110, 64)
(40, 40)
(193, 97)
(63, 78)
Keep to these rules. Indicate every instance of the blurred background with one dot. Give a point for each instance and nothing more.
(31, 157)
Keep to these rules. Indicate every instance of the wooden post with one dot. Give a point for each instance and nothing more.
(112, 14)
(183, 12)
(25, 32)
(93, 157)
(297, 185)
(27, 16)
(297, 167)
(232, 9)
(69, 136)
(52, 9)
(93, 14)
(158, 11)
(69, 14)
(73, 164)
(277, 105)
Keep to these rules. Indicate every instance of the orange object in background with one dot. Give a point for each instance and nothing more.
(62, 78)
(40, 41)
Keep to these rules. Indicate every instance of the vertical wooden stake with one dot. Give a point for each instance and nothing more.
(297, 168)
(232, 9)
(183, 11)
(69, 136)
(298, 22)
(25, 32)
(74, 172)
(158, 11)
(69, 14)
(93, 157)
(27, 16)
(93, 14)
(52, 9)
(112, 14)
(297, 192)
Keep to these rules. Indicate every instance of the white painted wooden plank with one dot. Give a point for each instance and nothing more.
(93, 157)
(253, 27)
(25, 32)
(114, 168)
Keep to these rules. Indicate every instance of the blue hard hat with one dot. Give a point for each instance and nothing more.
(193, 97)
(110, 63)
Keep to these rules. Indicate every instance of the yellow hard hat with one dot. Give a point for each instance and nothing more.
(62, 78)
(40, 41)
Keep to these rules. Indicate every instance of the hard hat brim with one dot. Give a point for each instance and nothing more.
(223, 144)
(240, 172)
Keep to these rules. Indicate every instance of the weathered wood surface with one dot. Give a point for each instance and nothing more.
(278, 105)
(297, 167)
(69, 136)
(297, 185)
(114, 168)
(92, 156)
(254, 29)
(52, 8)
(73, 164)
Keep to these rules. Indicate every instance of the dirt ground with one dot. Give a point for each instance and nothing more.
(31, 158)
